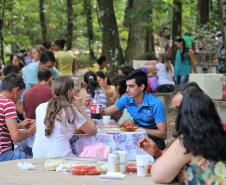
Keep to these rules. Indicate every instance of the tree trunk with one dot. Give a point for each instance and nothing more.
(1, 31)
(88, 10)
(42, 19)
(177, 18)
(203, 12)
(111, 43)
(140, 39)
(223, 21)
(69, 24)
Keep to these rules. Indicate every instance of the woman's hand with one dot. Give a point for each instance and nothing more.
(150, 147)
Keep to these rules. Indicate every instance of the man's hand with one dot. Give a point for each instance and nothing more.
(27, 123)
(150, 147)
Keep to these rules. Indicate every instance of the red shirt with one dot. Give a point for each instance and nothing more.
(35, 96)
(7, 111)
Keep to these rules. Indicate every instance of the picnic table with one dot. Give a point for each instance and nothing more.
(12, 175)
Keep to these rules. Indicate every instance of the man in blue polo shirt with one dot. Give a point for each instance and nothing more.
(146, 110)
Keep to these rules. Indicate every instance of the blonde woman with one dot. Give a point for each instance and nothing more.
(57, 120)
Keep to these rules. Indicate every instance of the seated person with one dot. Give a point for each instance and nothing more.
(11, 89)
(119, 82)
(57, 121)
(41, 91)
(92, 94)
(197, 155)
(146, 110)
(105, 84)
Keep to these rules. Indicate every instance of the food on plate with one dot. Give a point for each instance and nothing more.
(131, 168)
(128, 125)
(85, 170)
(78, 131)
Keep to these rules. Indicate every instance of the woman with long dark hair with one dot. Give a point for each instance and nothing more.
(92, 94)
(105, 85)
(199, 152)
(184, 62)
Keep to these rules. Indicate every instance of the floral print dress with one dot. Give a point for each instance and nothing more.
(203, 172)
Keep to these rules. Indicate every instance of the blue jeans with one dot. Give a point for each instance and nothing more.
(13, 155)
(181, 79)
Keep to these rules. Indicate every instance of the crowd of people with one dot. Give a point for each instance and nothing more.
(38, 101)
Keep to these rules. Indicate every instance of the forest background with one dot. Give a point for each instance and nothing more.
(122, 30)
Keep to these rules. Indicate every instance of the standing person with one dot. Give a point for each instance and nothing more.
(198, 154)
(184, 63)
(30, 72)
(189, 43)
(57, 121)
(66, 63)
(146, 110)
(41, 91)
(12, 87)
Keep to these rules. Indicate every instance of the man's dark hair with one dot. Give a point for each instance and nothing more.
(46, 57)
(44, 75)
(47, 44)
(199, 126)
(126, 69)
(101, 60)
(12, 80)
(139, 76)
(60, 42)
(11, 69)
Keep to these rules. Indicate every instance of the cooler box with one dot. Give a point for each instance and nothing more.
(211, 84)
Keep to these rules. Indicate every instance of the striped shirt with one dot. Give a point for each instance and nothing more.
(7, 111)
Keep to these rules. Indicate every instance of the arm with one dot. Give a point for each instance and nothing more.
(15, 133)
(192, 58)
(168, 166)
(160, 120)
(89, 126)
(109, 110)
(160, 132)
(25, 123)
(150, 147)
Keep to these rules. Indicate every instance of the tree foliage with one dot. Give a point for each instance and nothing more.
(22, 28)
